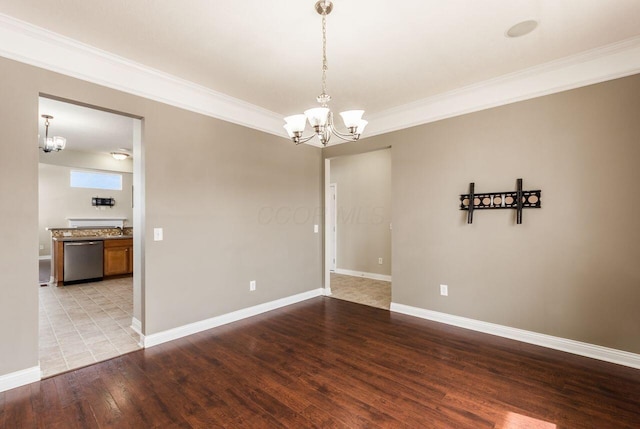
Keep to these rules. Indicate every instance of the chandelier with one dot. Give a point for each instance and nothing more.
(51, 144)
(321, 118)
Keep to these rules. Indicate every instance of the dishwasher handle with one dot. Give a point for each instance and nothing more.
(84, 243)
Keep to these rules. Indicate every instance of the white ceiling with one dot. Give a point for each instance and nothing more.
(381, 54)
(86, 129)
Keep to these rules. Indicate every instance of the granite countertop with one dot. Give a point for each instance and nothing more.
(90, 233)
(94, 238)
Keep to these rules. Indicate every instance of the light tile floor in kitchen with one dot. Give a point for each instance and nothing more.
(374, 293)
(85, 323)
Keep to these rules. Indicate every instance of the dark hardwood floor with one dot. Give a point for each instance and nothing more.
(331, 363)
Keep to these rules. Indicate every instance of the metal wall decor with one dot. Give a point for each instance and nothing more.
(517, 200)
(103, 202)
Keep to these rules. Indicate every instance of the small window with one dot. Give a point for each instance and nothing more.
(94, 180)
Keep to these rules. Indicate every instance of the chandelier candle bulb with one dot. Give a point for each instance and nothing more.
(296, 123)
(58, 143)
(289, 130)
(361, 125)
(352, 118)
(318, 116)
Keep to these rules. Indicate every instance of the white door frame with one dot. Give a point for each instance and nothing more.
(138, 318)
(333, 226)
(327, 233)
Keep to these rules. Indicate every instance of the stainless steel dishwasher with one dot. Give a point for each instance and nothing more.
(83, 261)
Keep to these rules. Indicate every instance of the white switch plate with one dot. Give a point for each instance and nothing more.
(252, 285)
(157, 234)
(42, 247)
(380, 261)
(444, 290)
(315, 228)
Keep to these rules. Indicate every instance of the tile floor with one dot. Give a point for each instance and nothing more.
(85, 323)
(374, 293)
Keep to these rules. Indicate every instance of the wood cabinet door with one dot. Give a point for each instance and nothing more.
(116, 261)
(130, 260)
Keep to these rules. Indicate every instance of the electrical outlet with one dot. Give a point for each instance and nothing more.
(380, 261)
(315, 229)
(444, 290)
(252, 285)
(42, 247)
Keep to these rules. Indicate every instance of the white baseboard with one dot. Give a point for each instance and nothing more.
(20, 378)
(372, 276)
(203, 325)
(571, 346)
(44, 257)
(136, 325)
(327, 291)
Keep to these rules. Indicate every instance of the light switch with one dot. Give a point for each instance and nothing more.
(315, 229)
(157, 234)
(444, 290)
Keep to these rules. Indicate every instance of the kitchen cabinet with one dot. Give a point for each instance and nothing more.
(117, 253)
(118, 257)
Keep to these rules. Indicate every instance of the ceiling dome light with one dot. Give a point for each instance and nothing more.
(120, 156)
(522, 28)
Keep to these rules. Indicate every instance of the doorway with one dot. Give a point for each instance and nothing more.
(89, 321)
(358, 228)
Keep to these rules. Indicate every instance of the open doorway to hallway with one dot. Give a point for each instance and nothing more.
(88, 300)
(358, 227)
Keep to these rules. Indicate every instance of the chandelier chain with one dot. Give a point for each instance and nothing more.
(324, 54)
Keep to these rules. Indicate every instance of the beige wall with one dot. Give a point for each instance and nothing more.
(206, 182)
(57, 201)
(571, 269)
(19, 226)
(363, 211)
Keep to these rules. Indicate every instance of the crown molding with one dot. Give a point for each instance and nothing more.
(594, 66)
(42, 48)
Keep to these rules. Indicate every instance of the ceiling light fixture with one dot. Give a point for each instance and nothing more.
(120, 156)
(522, 28)
(321, 118)
(51, 144)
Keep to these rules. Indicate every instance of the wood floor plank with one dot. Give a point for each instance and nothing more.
(2, 408)
(200, 403)
(45, 402)
(19, 412)
(333, 364)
